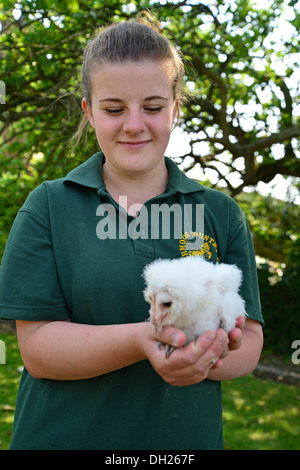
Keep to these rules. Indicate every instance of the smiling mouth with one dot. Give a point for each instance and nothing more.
(135, 145)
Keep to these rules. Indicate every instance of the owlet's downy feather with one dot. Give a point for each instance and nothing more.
(193, 295)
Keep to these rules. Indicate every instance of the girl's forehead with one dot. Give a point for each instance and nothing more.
(141, 65)
(148, 74)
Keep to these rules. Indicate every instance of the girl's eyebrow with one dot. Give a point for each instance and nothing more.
(149, 98)
(117, 100)
(156, 97)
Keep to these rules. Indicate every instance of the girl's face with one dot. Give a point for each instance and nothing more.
(132, 112)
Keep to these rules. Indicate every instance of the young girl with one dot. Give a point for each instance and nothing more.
(94, 376)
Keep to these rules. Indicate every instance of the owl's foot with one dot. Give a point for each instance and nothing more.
(167, 347)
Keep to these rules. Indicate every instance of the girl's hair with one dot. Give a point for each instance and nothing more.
(133, 40)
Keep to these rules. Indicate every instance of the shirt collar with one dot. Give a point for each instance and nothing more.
(89, 174)
(179, 181)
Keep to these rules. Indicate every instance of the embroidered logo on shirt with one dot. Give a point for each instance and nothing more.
(198, 244)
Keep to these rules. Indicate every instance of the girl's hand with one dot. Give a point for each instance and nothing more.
(189, 364)
(235, 336)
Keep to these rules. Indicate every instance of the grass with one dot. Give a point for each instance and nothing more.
(258, 414)
(261, 415)
(9, 384)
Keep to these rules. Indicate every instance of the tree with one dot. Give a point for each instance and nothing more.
(243, 79)
(243, 116)
(233, 61)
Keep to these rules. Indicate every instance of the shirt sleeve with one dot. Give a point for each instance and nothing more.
(29, 284)
(240, 251)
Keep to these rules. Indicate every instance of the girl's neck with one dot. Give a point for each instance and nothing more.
(137, 189)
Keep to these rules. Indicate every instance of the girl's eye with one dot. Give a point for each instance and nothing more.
(154, 110)
(113, 111)
(117, 111)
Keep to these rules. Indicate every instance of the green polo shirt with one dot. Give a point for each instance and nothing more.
(63, 260)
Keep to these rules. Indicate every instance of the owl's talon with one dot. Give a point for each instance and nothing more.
(169, 350)
(167, 347)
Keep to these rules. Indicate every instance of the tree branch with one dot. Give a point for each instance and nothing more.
(266, 142)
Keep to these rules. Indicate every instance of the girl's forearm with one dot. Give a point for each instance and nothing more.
(69, 351)
(61, 350)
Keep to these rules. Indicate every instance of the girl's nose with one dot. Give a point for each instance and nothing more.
(134, 123)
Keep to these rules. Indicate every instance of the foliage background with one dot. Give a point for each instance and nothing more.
(242, 116)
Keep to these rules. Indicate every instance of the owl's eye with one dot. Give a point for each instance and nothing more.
(167, 304)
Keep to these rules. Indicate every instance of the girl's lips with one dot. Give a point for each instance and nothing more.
(135, 145)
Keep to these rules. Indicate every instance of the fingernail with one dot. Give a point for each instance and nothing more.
(211, 337)
(222, 340)
(176, 339)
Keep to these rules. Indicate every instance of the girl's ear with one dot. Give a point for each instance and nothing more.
(176, 112)
(88, 112)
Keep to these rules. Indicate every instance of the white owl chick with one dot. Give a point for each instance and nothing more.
(193, 295)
